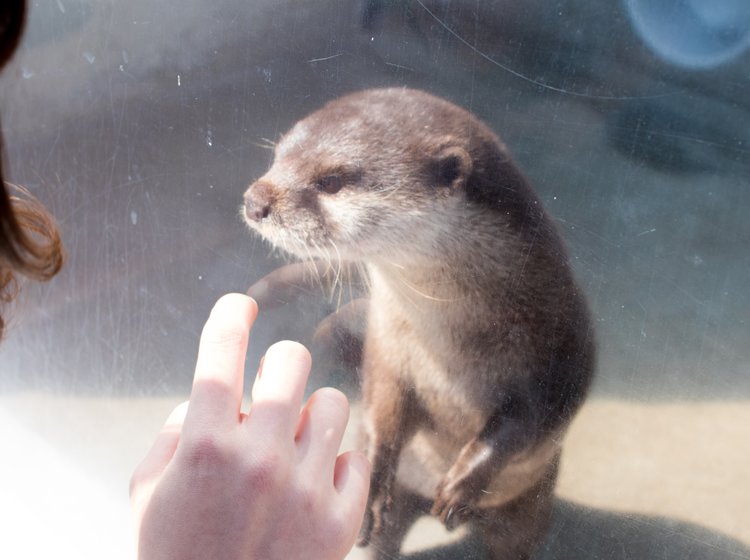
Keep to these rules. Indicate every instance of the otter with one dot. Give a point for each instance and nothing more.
(478, 346)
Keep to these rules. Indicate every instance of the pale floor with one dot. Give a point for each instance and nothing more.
(657, 480)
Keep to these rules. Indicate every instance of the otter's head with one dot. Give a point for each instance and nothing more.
(375, 173)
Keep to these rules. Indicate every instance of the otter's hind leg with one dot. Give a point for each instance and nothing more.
(514, 530)
(403, 512)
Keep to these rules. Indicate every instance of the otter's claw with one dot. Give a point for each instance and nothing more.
(451, 506)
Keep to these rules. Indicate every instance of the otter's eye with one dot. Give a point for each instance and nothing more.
(330, 184)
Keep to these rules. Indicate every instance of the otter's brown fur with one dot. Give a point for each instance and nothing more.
(478, 347)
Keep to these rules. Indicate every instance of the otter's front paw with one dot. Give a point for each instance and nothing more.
(452, 504)
(375, 518)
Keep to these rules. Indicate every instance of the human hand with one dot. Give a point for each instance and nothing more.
(267, 484)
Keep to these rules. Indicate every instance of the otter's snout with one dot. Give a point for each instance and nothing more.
(259, 199)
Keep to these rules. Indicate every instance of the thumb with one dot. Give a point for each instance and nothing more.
(149, 471)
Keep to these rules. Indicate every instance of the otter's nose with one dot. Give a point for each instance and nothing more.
(258, 201)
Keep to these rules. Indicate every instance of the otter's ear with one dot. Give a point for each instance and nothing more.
(451, 167)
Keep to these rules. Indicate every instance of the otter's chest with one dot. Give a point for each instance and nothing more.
(418, 345)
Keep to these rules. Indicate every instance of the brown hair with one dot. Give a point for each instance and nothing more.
(29, 239)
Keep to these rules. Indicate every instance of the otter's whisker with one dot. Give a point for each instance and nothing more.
(310, 264)
(266, 144)
(391, 191)
(337, 278)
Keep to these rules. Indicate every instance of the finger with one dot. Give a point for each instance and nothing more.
(161, 452)
(217, 386)
(341, 334)
(320, 431)
(279, 389)
(281, 286)
(352, 481)
(257, 375)
(349, 320)
(288, 283)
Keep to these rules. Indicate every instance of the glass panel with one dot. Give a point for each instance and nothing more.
(141, 125)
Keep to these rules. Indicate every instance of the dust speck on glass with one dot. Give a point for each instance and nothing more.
(562, 321)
